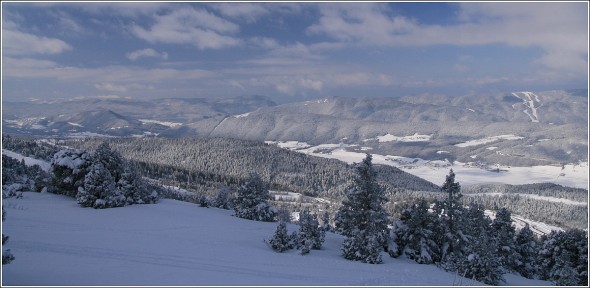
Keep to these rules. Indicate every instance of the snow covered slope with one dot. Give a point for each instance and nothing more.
(56, 242)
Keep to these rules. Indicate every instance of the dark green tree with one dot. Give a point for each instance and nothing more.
(362, 219)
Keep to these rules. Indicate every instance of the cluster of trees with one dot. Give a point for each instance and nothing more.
(29, 147)
(201, 165)
(18, 177)
(465, 240)
(309, 237)
(101, 180)
(515, 198)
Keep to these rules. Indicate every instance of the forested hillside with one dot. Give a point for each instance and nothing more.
(202, 164)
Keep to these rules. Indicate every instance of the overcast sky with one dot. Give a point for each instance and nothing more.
(290, 50)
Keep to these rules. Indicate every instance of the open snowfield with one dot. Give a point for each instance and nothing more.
(572, 175)
(58, 243)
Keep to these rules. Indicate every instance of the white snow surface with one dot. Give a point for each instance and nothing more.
(173, 243)
(392, 138)
(435, 171)
(163, 123)
(488, 140)
(28, 160)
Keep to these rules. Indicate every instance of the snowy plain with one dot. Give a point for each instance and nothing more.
(58, 243)
(571, 175)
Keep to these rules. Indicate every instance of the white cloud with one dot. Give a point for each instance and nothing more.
(15, 42)
(190, 26)
(110, 87)
(560, 29)
(148, 52)
(249, 11)
(116, 75)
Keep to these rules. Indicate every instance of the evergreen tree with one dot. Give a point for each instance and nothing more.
(505, 233)
(69, 168)
(413, 235)
(326, 227)
(563, 258)
(526, 249)
(111, 160)
(362, 218)
(223, 199)
(251, 201)
(451, 209)
(309, 230)
(99, 189)
(134, 188)
(477, 247)
(7, 256)
(281, 241)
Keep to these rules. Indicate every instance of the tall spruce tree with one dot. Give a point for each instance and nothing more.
(451, 209)
(477, 246)
(505, 233)
(362, 219)
(251, 201)
(526, 249)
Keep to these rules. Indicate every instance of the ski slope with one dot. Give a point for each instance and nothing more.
(175, 243)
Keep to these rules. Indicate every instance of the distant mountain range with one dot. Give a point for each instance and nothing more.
(519, 128)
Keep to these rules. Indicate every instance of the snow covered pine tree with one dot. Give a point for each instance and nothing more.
(251, 201)
(310, 230)
(362, 219)
(413, 235)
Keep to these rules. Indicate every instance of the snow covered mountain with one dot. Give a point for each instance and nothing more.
(57, 243)
(546, 128)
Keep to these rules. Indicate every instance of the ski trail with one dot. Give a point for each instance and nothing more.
(529, 102)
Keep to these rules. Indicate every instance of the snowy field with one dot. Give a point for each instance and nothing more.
(58, 243)
(572, 175)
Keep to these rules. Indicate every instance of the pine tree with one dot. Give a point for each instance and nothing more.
(326, 227)
(251, 201)
(99, 189)
(223, 199)
(69, 168)
(309, 230)
(563, 258)
(526, 249)
(362, 219)
(134, 188)
(413, 235)
(7, 256)
(451, 209)
(111, 160)
(281, 241)
(477, 247)
(505, 233)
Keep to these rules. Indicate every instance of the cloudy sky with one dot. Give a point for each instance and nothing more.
(290, 50)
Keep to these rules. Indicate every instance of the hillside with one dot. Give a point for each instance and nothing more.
(549, 127)
(56, 242)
